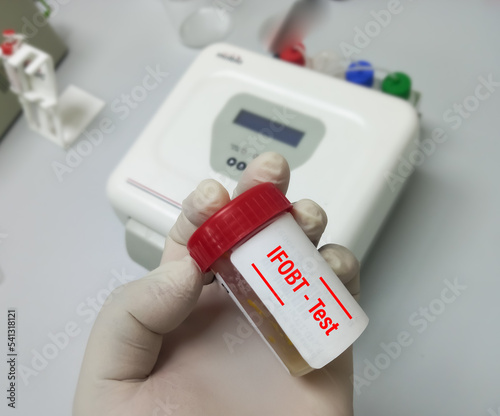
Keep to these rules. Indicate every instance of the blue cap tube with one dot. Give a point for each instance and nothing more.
(361, 73)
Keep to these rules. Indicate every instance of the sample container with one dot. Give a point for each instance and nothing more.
(278, 279)
(201, 22)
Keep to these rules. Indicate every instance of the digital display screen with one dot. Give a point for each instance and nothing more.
(270, 128)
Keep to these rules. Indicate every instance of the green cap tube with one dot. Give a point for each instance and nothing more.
(398, 84)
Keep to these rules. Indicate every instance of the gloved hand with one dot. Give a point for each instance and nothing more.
(173, 344)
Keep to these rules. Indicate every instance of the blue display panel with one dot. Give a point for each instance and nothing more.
(269, 128)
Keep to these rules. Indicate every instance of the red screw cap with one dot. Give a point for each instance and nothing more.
(235, 221)
(294, 54)
(7, 48)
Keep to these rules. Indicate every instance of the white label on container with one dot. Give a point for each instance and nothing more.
(307, 299)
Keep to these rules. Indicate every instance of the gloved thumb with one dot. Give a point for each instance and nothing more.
(127, 336)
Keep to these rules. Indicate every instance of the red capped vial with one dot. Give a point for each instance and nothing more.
(278, 279)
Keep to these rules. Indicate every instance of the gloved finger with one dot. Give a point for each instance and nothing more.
(345, 265)
(267, 167)
(311, 218)
(200, 204)
(126, 338)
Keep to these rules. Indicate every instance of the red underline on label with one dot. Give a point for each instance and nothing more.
(267, 284)
(336, 298)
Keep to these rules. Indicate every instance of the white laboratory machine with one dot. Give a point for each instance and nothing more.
(344, 143)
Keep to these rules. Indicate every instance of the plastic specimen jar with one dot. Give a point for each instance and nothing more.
(278, 279)
(201, 22)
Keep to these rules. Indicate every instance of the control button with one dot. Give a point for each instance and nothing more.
(231, 161)
(241, 166)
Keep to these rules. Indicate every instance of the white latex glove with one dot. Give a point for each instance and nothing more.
(159, 348)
